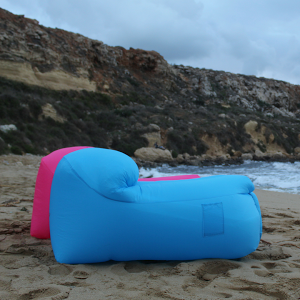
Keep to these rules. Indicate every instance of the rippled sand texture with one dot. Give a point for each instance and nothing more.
(28, 269)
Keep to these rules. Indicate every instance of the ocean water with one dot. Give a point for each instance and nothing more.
(273, 176)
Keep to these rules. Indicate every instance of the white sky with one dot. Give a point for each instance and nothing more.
(252, 37)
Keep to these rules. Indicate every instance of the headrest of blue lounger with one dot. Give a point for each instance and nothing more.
(108, 172)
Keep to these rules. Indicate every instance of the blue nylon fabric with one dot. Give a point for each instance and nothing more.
(99, 212)
(213, 219)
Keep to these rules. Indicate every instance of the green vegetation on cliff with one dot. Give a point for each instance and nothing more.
(121, 121)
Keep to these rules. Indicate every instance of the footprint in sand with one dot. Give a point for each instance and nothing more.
(5, 284)
(276, 267)
(215, 268)
(40, 293)
(261, 273)
(270, 265)
(150, 265)
(269, 253)
(225, 295)
(60, 270)
(297, 222)
(258, 291)
(135, 267)
(294, 264)
(35, 251)
(268, 229)
(81, 274)
(284, 215)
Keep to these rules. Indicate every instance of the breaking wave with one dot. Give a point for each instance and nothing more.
(274, 176)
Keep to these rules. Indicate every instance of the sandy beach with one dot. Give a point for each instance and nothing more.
(28, 269)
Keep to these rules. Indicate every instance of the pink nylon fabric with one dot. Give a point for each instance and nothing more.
(40, 212)
(178, 177)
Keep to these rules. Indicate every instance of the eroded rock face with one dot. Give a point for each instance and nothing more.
(261, 139)
(59, 59)
(152, 138)
(49, 111)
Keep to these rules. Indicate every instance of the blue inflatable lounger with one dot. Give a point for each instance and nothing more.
(99, 212)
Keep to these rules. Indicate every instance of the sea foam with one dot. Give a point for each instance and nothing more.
(274, 176)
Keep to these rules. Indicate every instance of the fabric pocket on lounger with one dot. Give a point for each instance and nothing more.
(213, 219)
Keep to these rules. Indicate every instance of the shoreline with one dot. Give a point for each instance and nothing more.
(207, 162)
(147, 165)
(28, 269)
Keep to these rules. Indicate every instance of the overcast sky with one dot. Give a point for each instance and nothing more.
(252, 37)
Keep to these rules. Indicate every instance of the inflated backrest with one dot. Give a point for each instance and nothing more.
(110, 173)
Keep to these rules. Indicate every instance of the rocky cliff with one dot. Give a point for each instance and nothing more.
(196, 111)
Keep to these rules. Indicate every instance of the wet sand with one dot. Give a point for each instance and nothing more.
(28, 269)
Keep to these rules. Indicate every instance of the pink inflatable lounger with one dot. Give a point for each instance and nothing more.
(40, 214)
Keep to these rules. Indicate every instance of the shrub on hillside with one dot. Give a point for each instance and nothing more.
(129, 143)
(185, 142)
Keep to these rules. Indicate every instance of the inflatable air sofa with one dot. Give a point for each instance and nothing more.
(40, 213)
(99, 211)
